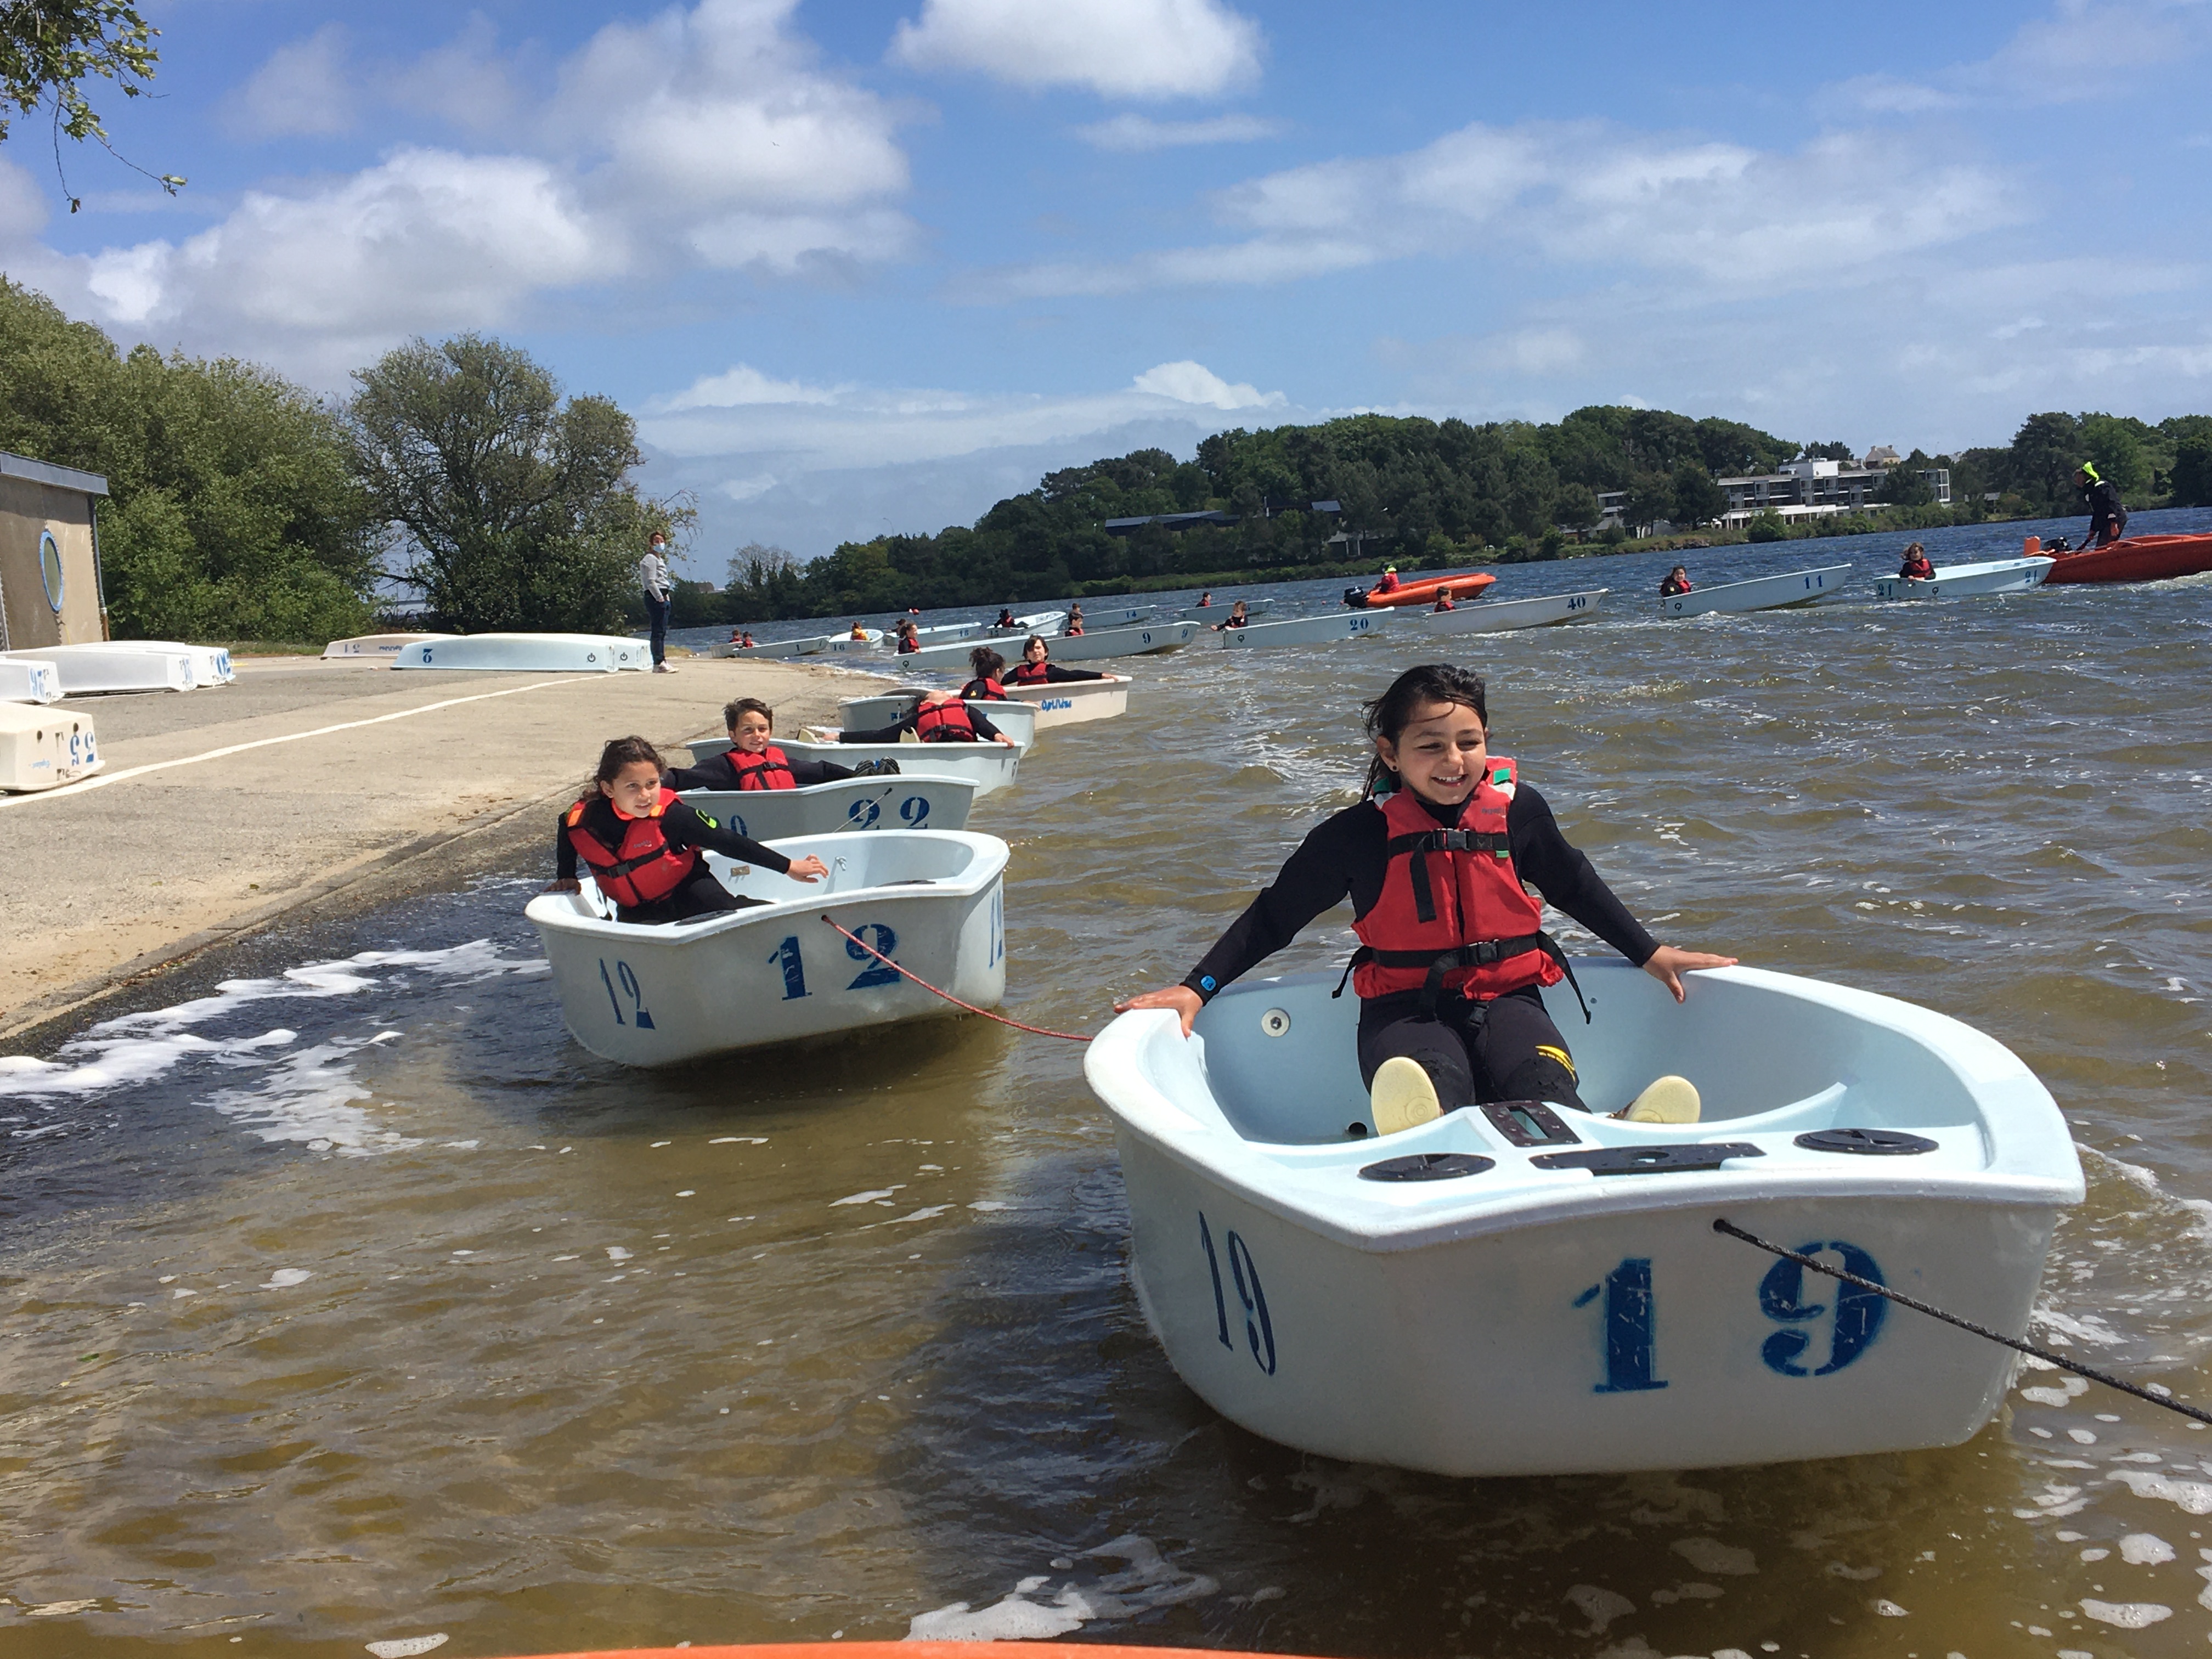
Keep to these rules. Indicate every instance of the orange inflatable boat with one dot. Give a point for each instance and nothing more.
(1464, 585)
(2130, 559)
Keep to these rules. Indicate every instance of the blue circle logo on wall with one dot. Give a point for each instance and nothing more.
(50, 568)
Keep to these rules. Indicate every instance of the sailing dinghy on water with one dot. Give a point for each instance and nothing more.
(931, 900)
(1759, 593)
(1516, 1289)
(913, 800)
(1959, 581)
(1501, 615)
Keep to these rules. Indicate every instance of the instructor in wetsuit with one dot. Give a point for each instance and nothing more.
(2108, 517)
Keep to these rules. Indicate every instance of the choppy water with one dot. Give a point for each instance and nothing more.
(337, 1310)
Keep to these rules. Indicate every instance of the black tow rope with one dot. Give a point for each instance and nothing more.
(2043, 1354)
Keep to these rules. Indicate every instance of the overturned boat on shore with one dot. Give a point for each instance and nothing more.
(1520, 1288)
(29, 679)
(930, 901)
(532, 653)
(43, 747)
(92, 670)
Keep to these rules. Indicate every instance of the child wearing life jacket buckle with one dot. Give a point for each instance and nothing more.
(753, 762)
(642, 847)
(1439, 862)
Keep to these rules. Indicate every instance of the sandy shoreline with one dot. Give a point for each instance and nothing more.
(104, 883)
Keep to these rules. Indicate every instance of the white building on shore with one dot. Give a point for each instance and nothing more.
(1818, 489)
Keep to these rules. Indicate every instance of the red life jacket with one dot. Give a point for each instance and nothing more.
(984, 690)
(907, 644)
(766, 770)
(1032, 673)
(945, 722)
(1458, 918)
(644, 868)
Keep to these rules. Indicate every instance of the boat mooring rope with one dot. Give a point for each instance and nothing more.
(2043, 1354)
(1034, 1031)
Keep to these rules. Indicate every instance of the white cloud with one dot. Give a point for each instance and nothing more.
(305, 90)
(1581, 193)
(2082, 50)
(465, 82)
(738, 387)
(1117, 48)
(1132, 133)
(1188, 382)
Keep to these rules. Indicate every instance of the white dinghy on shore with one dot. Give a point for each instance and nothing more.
(1759, 593)
(533, 654)
(88, 670)
(1018, 720)
(379, 647)
(1960, 581)
(931, 900)
(914, 799)
(29, 679)
(1500, 615)
(40, 748)
(1071, 702)
(1516, 1289)
(991, 766)
(1304, 630)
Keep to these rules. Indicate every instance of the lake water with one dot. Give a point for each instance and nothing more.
(337, 1310)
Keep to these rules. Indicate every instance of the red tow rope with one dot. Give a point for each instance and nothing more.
(1034, 1031)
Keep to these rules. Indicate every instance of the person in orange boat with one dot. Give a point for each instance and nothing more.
(1439, 861)
(1916, 567)
(642, 846)
(1389, 584)
(2108, 518)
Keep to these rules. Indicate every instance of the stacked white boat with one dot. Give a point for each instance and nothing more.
(29, 679)
(929, 901)
(121, 666)
(1522, 1289)
(376, 647)
(557, 654)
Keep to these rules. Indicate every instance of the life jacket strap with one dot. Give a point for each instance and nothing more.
(1440, 840)
(1477, 953)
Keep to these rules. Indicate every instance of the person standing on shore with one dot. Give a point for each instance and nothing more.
(653, 571)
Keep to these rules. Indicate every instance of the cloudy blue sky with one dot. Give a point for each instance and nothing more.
(871, 265)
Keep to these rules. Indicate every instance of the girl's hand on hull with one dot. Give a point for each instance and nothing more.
(571, 885)
(1667, 965)
(809, 868)
(1180, 998)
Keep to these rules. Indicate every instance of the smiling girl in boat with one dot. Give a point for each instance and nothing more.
(1437, 861)
(752, 761)
(642, 847)
(1037, 669)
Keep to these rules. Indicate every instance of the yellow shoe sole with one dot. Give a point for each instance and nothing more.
(1668, 1099)
(1402, 1096)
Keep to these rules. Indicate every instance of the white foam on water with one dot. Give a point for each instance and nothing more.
(2190, 1496)
(1710, 1555)
(406, 1647)
(2127, 1615)
(285, 1278)
(2145, 1549)
(1146, 1583)
(1599, 1605)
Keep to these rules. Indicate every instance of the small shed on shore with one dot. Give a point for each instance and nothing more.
(50, 588)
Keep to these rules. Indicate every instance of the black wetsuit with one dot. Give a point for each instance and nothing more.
(2108, 518)
(720, 772)
(1054, 675)
(891, 733)
(682, 825)
(1472, 1050)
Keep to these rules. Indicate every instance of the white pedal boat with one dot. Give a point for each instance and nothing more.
(40, 748)
(842, 645)
(1304, 630)
(1499, 616)
(1018, 720)
(910, 800)
(991, 765)
(84, 669)
(773, 648)
(1959, 581)
(1210, 614)
(378, 646)
(1759, 593)
(535, 654)
(1117, 617)
(1071, 702)
(1045, 623)
(29, 679)
(211, 663)
(1136, 641)
(932, 901)
(1515, 1314)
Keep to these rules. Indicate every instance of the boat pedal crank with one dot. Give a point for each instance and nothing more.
(1528, 1124)
(1866, 1143)
(1427, 1166)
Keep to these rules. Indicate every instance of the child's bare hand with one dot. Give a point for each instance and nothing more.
(1667, 965)
(809, 868)
(1180, 998)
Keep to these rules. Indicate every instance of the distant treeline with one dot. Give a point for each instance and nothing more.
(1417, 492)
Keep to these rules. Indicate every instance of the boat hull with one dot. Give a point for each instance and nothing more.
(1521, 1318)
(1962, 581)
(1138, 642)
(1017, 720)
(29, 679)
(912, 800)
(1465, 585)
(378, 646)
(41, 747)
(990, 766)
(1211, 614)
(1761, 593)
(777, 973)
(1502, 615)
(1303, 630)
(536, 653)
(1072, 702)
(2137, 559)
(85, 670)
(773, 649)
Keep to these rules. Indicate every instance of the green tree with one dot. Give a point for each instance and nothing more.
(1698, 498)
(2121, 447)
(2045, 452)
(1904, 486)
(2192, 473)
(232, 513)
(1576, 506)
(516, 509)
(50, 48)
(1767, 526)
(1650, 498)
(1828, 451)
